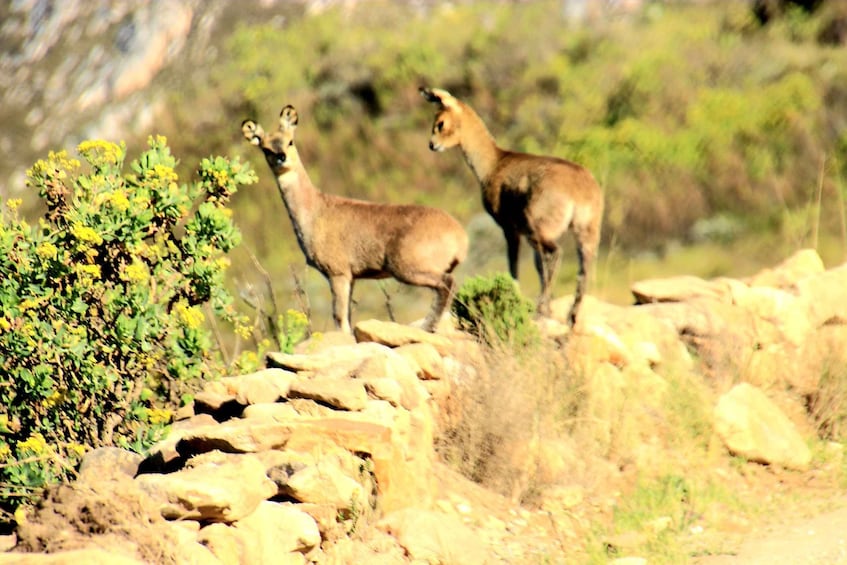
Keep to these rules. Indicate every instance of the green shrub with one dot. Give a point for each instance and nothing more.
(493, 309)
(101, 304)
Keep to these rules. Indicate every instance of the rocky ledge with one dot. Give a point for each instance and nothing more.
(327, 455)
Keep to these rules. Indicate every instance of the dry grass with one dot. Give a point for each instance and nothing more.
(515, 402)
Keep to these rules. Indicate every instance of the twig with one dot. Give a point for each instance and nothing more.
(270, 317)
(302, 298)
(217, 333)
(388, 305)
(839, 190)
(816, 225)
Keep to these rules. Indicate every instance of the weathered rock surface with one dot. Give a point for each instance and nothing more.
(754, 427)
(289, 464)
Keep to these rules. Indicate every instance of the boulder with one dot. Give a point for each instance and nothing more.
(678, 289)
(340, 360)
(319, 342)
(211, 492)
(753, 427)
(89, 556)
(800, 265)
(825, 296)
(233, 436)
(104, 463)
(425, 357)
(390, 365)
(274, 530)
(339, 393)
(395, 335)
(268, 385)
(434, 537)
(401, 458)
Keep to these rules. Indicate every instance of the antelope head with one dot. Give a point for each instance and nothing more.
(445, 127)
(278, 147)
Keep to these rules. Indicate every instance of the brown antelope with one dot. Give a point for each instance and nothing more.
(531, 195)
(348, 239)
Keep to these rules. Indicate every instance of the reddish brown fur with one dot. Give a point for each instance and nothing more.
(528, 195)
(347, 239)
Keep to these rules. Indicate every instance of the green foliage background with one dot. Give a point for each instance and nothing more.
(700, 125)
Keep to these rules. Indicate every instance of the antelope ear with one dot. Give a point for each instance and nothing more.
(439, 96)
(288, 118)
(252, 131)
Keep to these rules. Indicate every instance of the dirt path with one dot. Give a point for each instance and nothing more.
(819, 540)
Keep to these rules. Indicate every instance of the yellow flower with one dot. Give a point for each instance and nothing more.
(92, 271)
(34, 443)
(159, 416)
(76, 449)
(46, 250)
(52, 400)
(190, 316)
(136, 272)
(21, 514)
(13, 203)
(5, 450)
(165, 173)
(243, 331)
(119, 200)
(4, 324)
(86, 234)
(221, 177)
(97, 150)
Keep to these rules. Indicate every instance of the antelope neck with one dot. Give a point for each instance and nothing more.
(478, 145)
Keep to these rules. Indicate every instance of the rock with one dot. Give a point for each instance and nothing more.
(826, 296)
(426, 358)
(210, 401)
(341, 360)
(226, 543)
(752, 426)
(395, 335)
(233, 436)
(385, 389)
(380, 549)
(215, 493)
(343, 394)
(433, 537)
(110, 462)
(88, 556)
(271, 412)
(784, 309)
(393, 366)
(678, 289)
(401, 455)
(321, 341)
(804, 263)
(163, 455)
(275, 530)
(264, 386)
(325, 483)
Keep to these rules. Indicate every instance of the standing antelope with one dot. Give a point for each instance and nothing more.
(536, 196)
(348, 239)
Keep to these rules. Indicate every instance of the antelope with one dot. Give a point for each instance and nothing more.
(347, 239)
(535, 196)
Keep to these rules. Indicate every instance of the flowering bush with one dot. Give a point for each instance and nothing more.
(102, 318)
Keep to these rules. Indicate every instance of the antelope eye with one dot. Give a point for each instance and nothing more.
(439, 126)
